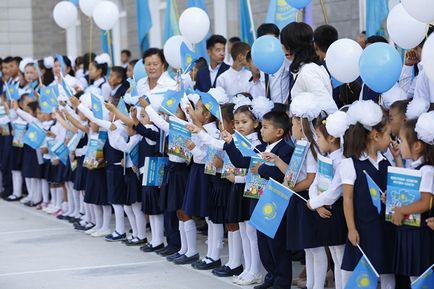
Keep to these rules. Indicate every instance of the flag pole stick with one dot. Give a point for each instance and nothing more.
(369, 262)
(324, 12)
(90, 41)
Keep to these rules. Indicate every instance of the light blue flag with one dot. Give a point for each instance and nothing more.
(363, 276)
(376, 14)
(59, 58)
(60, 150)
(200, 48)
(144, 24)
(375, 192)
(211, 104)
(96, 107)
(171, 101)
(47, 99)
(271, 207)
(280, 13)
(107, 43)
(55, 89)
(188, 58)
(247, 28)
(171, 26)
(133, 86)
(122, 107)
(68, 90)
(34, 136)
(243, 145)
(12, 91)
(425, 281)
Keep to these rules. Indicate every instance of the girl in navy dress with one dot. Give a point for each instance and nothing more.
(414, 251)
(368, 135)
(97, 74)
(327, 201)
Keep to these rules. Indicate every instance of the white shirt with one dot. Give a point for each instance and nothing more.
(234, 82)
(201, 149)
(309, 166)
(71, 81)
(315, 79)
(278, 85)
(164, 83)
(104, 86)
(348, 172)
(334, 192)
(270, 147)
(427, 179)
(257, 88)
(424, 88)
(407, 81)
(213, 72)
(114, 90)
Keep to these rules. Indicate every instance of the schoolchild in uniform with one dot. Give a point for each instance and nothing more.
(97, 74)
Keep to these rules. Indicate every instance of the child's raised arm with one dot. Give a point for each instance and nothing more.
(125, 119)
(75, 122)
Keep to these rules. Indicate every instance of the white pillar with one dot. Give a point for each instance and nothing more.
(155, 35)
(72, 42)
(116, 41)
(362, 15)
(220, 18)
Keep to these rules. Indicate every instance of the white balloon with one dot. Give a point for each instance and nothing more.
(172, 50)
(65, 14)
(342, 60)
(404, 30)
(194, 24)
(105, 15)
(87, 6)
(428, 57)
(422, 10)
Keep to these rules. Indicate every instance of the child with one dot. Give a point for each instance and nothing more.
(236, 78)
(367, 136)
(117, 81)
(97, 74)
(207, 76)
(414, 251)
(396, 120)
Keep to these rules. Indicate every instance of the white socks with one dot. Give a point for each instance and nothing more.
(183, 249)
(246, 248)
(17, 183)
(255, 265)
(140, 220)
(70, 201)
(316, 267)
(76, 197)
(210, 239)
(131, 218)
(53, 192)
(59, 197)
(337, 253)
(106, 216)
(36, 188)
(98, 216)
(45, 191)
(157, 229)
(119, 218)
(190, 233)
(217, 241)
(30, 190)
(235, 259)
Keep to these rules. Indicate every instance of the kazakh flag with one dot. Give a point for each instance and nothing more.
(133, 86)
(96, 107)
(425, 281)
(171, 101)
(171, 26)
(363, 276)
(47, 99)
(247, 28)
(188, 58)
(12, 91)
(59, 58)
(376, 14)
(280, 13)
(374, 191)
(55, 89)
(243, 145)
(122, 107)
(271, 207)
(34, 136)
(211, 104)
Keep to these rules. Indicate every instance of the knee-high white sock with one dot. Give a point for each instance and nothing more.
(59, 197)
(190, 233)
(119, 218)
(309, 268)
(387, 281)
(45, 191)
(70, 202)
(82, 202)
(131, 218)
(346, 275)
(158, 230)
(92, 217)
(76, 195)
(140, 220)
(210, 238)
(230, 249)
(29, 184)
(53, 193)
(98, 216)
(37, 193)
(87, 217)
(337, 253)
(236, 250)
(255, 265)
(246, 248)
(17, 183)
(319, 267)
(106, 217)
(183, 249)
(1, 182)
(217, 241)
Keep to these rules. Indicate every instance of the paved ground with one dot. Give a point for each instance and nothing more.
(39, 252)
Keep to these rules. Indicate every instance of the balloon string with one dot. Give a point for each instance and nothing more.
(324, 12)
(90, 41)
(109, 43)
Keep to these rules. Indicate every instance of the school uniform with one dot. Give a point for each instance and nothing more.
(277, 86)
(104, 87)
(408, 78)
(377, 237)
(414, 251)
(80, 171)
(206, 77)
(233, 81)
(424, 87)
(120, 90)
(6, 162)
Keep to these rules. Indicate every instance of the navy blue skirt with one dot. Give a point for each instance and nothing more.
(237, 207)
(197, 192)
(96, 187)
(116, 185)
(333, 231)
(17, 158)
(151, 201)
(173, 187)
(218, 198)
(60, 173)
(80, 175)
(46, 170)
(30, 167)
(414, 250)
(70, 174)
(133, 187)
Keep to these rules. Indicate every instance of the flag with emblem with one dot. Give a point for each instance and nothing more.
(47, 99)
(188, 58)
(96, 107)
(425, 281)
(12, 91)
(59, 58)
(247, 28)
(374, 191)
(34, 136)
(32, 88)
(122, 107)
(280, 13)
(55, 89)
(271, 207)
(211, 104)
(243, 145)
(363, 276)
(171, 101)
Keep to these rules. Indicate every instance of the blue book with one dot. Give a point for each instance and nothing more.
(60, 150)
(271, 207)
(402, 190)
(19, 130)
(374, 191)
(171, 101)
(229, 168)
(255, 185)
(324, 173)
(425, 281)
(178, 135)
(103, 136)
(210, 168)
(134, 155)
(34, 136)
(94, 154)
(296, 162)
(154, 171)
(74, 140)
(363, 276)
(96, 107)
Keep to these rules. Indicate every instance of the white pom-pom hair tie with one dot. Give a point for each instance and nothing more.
(103, 58)
(241, 100)
(306, 105)
(260, 106)
(365, 112)
(336, 124)
(424, 127)
(219, 94)
(416, 107)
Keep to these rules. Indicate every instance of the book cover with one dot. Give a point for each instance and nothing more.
(324, 173)
(403, 189)
(229, 168)
(5, 129)
(153, 171)
(296, 163)
(134, 155)
(210, 168)
(178, 135)
(94, 153)
(74, 140)
(254, 183)
(60, 150)
(19, 132)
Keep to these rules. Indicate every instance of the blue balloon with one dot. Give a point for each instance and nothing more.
(299, 4)
(139, 70)
(380, 66)
(267, 54)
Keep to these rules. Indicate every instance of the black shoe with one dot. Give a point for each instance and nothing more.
(202, 265)
(85, 227)
(149, 248)
(264, 286)
(174, 256)
(61, 217)
(162, 249)
(28, 204)
(183, 260)
(226, 271)
(136, 242)
(169, 251)
(13, 198)
(115, 237)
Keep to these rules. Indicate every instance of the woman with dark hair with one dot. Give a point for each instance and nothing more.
(306, 72)
(67, 74)
(46, 67)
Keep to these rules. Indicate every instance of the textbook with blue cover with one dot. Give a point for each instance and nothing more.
(19, 132)
(178, 136)
(153, 171)
(60, 150)
(229, 168)
(94, 154)
(324, 174)
(134, 155)
(255, 185)
(210, 168)
(74, 140)
(296, 163)
(403, 189)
